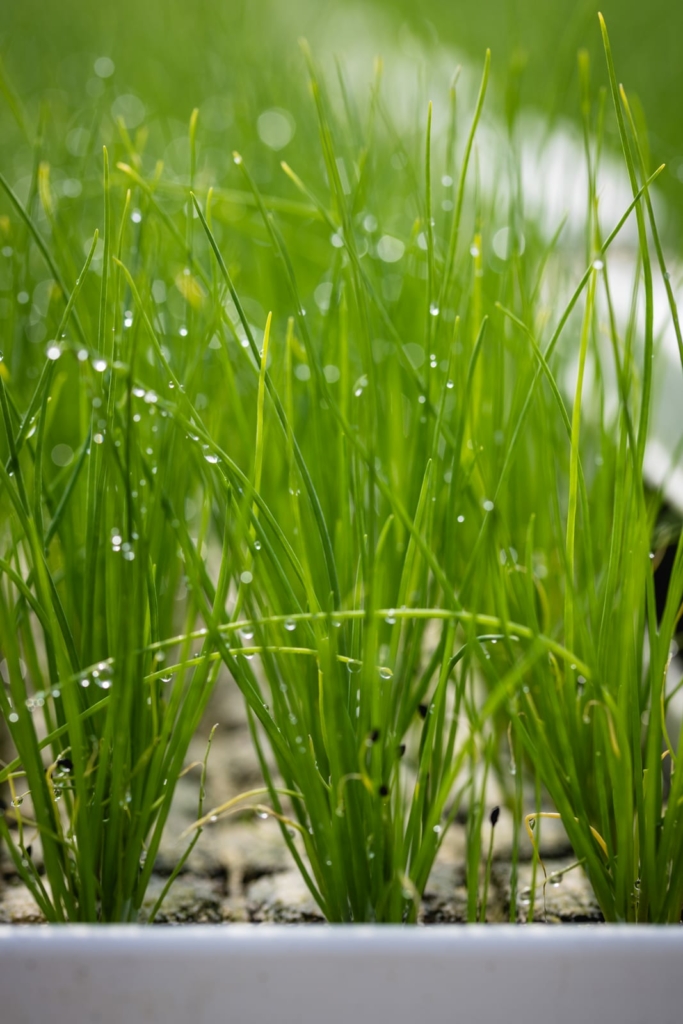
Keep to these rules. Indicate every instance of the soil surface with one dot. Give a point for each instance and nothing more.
(241, 870)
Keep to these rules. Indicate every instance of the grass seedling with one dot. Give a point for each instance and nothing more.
(599, 740)
(322, 438)
(90, 576)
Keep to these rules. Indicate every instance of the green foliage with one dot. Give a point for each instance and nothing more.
(320, 438)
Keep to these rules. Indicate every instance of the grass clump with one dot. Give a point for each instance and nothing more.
(600, 739)
(90, 576)
(322, 439)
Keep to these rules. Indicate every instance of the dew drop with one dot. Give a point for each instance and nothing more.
(104, 67)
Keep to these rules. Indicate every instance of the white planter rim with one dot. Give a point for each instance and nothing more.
(252, 974)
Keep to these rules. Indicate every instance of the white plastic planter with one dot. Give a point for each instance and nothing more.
(317, 974)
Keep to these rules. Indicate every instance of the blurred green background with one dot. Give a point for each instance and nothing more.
(173, 54)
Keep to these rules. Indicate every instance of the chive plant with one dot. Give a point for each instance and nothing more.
(599, 738)
(90, 578)
(319, 438)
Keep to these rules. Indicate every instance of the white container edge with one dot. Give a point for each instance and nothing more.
(343, 974)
